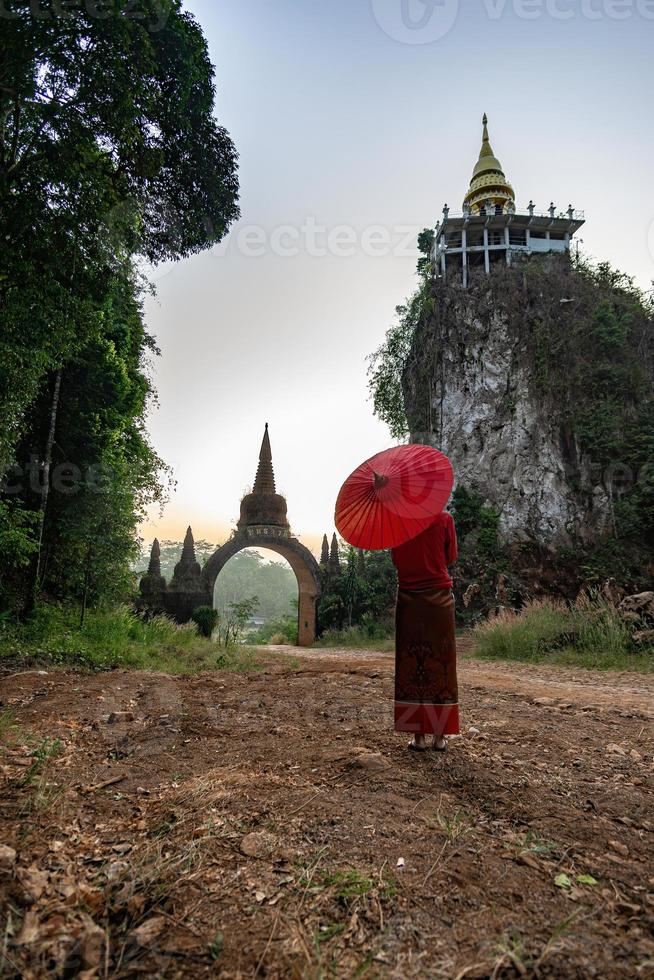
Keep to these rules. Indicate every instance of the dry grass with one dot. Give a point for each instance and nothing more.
(588, 633)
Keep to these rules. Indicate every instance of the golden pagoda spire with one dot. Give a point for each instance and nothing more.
(486, 148)
(489, 186)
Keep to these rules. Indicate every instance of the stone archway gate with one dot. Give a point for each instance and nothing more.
(303, 563)
(263, 523)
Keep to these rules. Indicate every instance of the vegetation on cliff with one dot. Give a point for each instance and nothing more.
(586, 334)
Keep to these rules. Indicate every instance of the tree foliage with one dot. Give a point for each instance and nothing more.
(109, 151)
(386, 367)
(362, 593)
(233, 619)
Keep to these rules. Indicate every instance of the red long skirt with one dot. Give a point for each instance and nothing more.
(426, 689)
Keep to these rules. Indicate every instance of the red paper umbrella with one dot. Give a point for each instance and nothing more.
(394, 496)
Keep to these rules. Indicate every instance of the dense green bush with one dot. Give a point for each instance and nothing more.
(281, 630)
(206, 620)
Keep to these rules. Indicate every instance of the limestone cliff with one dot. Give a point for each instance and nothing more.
(512, 378)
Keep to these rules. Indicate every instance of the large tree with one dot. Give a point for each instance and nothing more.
(109, 152)
(108, 147)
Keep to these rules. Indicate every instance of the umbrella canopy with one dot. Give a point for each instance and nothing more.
(393, 496)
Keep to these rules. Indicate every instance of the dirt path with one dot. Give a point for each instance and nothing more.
(273, 824)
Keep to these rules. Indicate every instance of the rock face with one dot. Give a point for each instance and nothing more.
(469, 390)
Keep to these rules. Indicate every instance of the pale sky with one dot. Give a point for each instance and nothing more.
(355, 121)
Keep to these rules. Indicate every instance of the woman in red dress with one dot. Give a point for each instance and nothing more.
(426, 691)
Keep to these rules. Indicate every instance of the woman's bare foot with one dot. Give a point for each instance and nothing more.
(419, 743)
(440, 743)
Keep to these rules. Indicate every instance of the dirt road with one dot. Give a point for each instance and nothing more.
(273, 824)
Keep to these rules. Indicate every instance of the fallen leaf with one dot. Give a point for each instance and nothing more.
(29, 930)
(587, 880)
(34, 882)
(92, 945)
(7, 858)
(149, 930)
(257, 844)
(562, 881)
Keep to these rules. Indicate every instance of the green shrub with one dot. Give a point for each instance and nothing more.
(206, 620)
(588, 633)
(281, 630)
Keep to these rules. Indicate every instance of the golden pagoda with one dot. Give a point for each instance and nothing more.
(489, 189)
(491, 230)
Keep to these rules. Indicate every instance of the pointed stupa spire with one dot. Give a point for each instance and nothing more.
(187, 569)
(153, 584)
(188, 550)
(264, 506)
(334, 557)
(488, 184)
(324, 554)
(486, 148)
(265, 479)
(154, 568)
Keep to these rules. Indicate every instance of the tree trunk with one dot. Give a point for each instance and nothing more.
(34, 585)
(87, 581)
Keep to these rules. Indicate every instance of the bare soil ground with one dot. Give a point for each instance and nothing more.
(272, 824)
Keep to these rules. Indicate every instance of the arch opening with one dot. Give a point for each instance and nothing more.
(302, 562)
(267, 577)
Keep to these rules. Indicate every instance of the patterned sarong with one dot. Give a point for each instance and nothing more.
(426, 691)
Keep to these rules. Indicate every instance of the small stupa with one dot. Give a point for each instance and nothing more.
(153, 584)
(188, 574)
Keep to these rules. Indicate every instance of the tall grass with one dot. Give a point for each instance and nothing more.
(112, 638)
(588, 633)
(377, 636)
